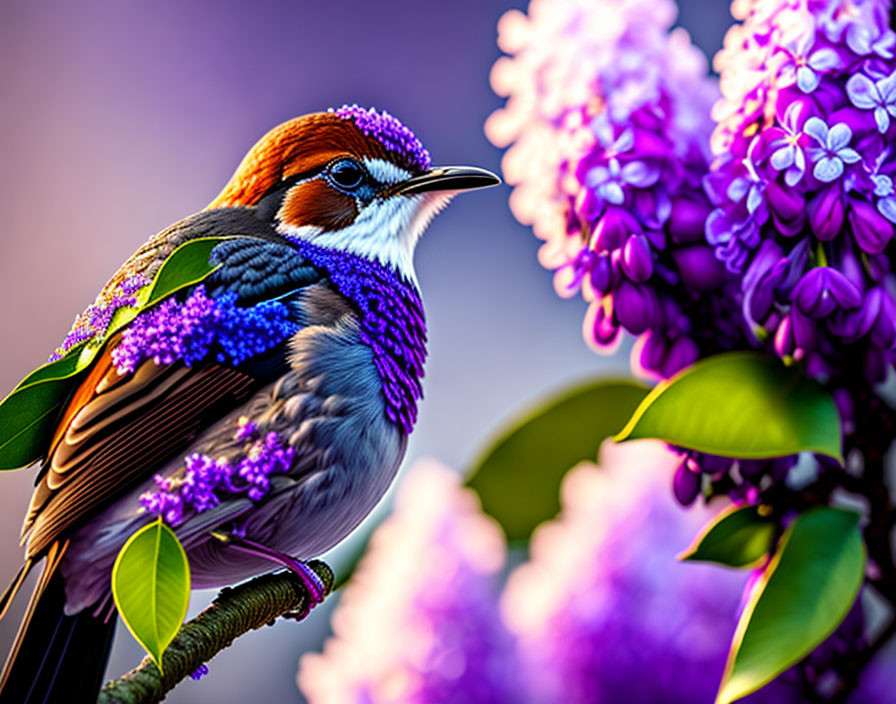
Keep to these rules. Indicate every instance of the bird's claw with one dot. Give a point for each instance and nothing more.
(315, 588)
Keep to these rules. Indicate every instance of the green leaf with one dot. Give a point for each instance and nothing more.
(28, 414)
(151, 587)
(740, 404)
(803, 595)
(739, 537)
(518, 476)
(185, 266)
(27, 421)
(61, 368)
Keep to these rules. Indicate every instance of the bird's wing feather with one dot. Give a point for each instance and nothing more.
(117, 430)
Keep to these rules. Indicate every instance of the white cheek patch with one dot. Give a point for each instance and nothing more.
(386, 230)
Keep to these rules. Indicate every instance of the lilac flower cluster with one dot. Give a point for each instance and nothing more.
(388, 131)
(92, 324)
(206, 481)
(189, 331)
(609, 118)
(419, 621)
(392, 324)
(802, 180)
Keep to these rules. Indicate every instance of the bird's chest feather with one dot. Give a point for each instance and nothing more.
(391, 323)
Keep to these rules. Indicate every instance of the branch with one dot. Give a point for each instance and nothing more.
(235, 611)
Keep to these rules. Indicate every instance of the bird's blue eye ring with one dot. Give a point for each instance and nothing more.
(346, 174)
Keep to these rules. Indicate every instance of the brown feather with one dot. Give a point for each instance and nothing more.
(118, 432)
(316, 204)
(297, 147)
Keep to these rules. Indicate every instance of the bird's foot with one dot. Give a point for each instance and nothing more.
(315, 589)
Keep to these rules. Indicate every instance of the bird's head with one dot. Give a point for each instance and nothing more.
(351, 180)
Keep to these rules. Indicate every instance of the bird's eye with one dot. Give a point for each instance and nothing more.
(347, 173)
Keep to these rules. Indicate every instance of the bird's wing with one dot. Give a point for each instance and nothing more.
(116, 430)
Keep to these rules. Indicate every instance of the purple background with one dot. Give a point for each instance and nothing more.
(118, 118)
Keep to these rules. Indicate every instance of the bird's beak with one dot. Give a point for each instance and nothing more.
(446, 178)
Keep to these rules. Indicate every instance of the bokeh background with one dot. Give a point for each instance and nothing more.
(118, 118)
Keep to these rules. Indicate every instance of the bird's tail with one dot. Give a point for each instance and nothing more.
(56, 658)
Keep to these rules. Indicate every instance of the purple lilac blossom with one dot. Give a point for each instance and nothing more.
(388, 131)
(393, 324)
(91, 325)
(607, 123)
(802, 178)
(189, 331)
(419, 620)
(206, 481)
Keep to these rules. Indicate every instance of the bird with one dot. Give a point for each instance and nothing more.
(262, 411)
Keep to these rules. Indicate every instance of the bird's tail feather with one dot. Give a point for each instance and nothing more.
(56, 658)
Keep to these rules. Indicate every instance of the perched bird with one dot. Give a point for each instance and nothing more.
(263, 411)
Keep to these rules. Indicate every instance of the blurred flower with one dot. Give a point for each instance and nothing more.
(419, 621)
(607, 118)
(802, 181)
(604, 612)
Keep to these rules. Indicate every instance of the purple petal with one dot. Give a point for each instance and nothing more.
(612, 192)
(596, 176)
(624, 142)
(882, 118)
(887, 208)
(825, 59)
(639, 174)
(849, 155)
(806, 79)
(828, 169)
(816, 128)
(754, 199)
(839, 136)
(861, 91)
(887, 88)
(859, 38)
(783, 158)
(719, 228)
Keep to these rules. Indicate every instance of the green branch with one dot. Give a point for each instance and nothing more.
(235, 611)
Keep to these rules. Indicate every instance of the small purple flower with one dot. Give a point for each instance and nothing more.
(807, 66)
(879, 96)
(608, 181)
(788, 155)
(206, 481)
(834, 150)
(883, 189)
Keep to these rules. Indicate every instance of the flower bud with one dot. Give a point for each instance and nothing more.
(636, 307)
(826, 213)
(612, 229)
(823, 290)
(685, 485)
(637, 261)
(871, 229)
